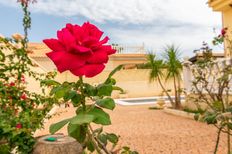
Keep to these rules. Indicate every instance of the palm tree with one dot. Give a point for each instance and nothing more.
(156, 73)
(174, 69)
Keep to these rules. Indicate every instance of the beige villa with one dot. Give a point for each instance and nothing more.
(225, 7)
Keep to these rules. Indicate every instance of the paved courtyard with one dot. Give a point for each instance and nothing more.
(156, 132)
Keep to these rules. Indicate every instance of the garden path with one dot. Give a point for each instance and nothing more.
(155, 132)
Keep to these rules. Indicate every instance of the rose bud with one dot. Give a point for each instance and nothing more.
(17, 37)
(19, 125)
(23, 96)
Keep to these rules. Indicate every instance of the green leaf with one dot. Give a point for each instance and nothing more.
(82, 119)
(211, 118)
(101, 117)
(111, 81)
(57, 126)
(98, 130)
(102, 138)
(50, 82)
(118, 68)
(217, 105)
(90, 90)
(104, 89)
(117, 88)
(77, 131)
(59, 91)
(229, 125)
(112, 138)
(90, 146)
(76, 100)
(69, 95)
(107, 103)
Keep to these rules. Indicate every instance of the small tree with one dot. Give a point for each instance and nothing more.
(212, 87)
(156, 73)
(174, 70)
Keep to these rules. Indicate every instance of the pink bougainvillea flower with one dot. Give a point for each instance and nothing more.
(23, 96)
(12, 84)
(23, 79)
(80, 50)
(19, 125)
(223, 31)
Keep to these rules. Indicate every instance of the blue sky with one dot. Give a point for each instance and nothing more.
(130, 22)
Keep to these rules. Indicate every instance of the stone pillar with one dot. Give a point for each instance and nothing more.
(187, 76)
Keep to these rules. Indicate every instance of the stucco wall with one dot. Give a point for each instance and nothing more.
(134, 81)
(227, 22)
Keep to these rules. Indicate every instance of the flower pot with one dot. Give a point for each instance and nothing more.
(61, 145)
(160, 102)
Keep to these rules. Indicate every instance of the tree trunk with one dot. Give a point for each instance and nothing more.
(179, 91)
(169, 97)
(63, 145)
(177, 104)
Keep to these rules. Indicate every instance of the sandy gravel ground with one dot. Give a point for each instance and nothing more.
(155, 132)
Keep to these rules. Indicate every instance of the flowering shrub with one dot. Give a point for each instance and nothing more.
(212, 86)
(80, 50)
(20, 114)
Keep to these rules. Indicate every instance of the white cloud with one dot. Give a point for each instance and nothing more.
(188, 39)
(128, 11)
(154, 22)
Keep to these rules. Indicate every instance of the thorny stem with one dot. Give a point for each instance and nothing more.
(93, 141)
(82, 91)
(99, 142)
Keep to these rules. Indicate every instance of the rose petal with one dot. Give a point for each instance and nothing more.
(108, 49)
(100, 43)
(89, 70)
(54, 44)
(66, 61)
(98, 57)
(89, 41)
(70, 27)
(81, 49)
(66, 38)
(92, 30)
(78, 33)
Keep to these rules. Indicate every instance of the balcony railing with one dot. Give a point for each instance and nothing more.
(126, 49)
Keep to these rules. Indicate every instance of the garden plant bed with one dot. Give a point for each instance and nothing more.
(179, 113)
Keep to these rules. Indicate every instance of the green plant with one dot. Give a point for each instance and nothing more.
(156, 73)
(174, 70)
(80, 50)
(211, 86)
(20, 115)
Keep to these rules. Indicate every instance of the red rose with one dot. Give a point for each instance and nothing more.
(23, 96)
(223, 31)
(80, 50)
(19, 125)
